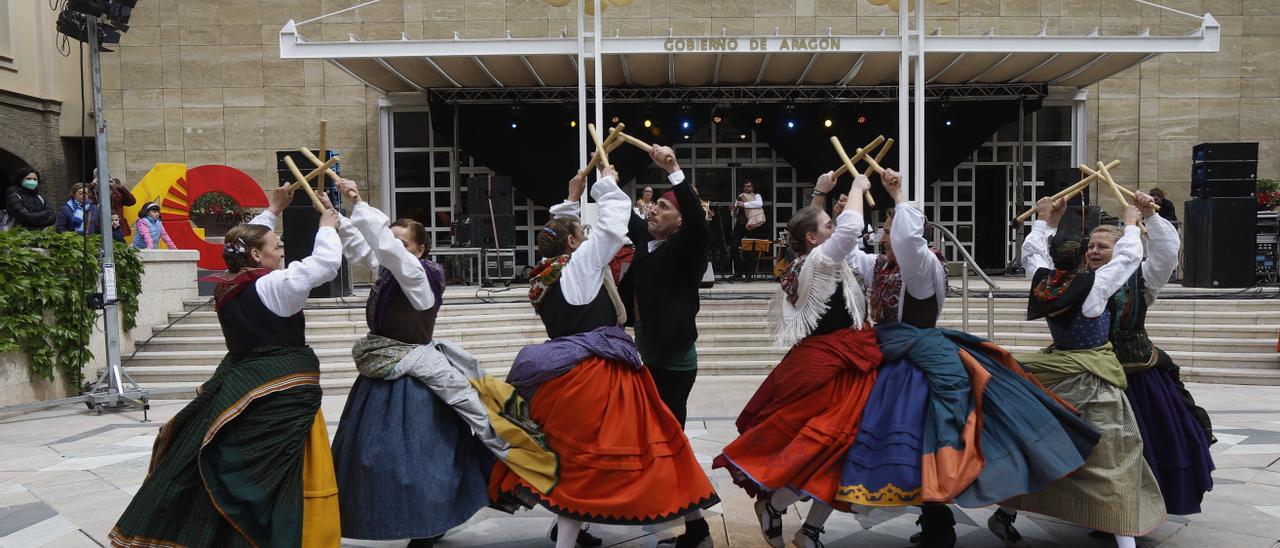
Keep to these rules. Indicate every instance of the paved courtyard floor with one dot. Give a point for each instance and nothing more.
(67, 474)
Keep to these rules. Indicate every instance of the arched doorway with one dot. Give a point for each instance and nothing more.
(9, 165)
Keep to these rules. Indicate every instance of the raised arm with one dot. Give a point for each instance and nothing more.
(1035, 247)
(847, 212)
(582, 276)
(1162, 248)
(693, 239)
(572, 206)
(389, 250)
(1125, 260)
(918, 264)
(284, 292)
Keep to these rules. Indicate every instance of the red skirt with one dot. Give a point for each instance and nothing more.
(798, 426)
(624, 459)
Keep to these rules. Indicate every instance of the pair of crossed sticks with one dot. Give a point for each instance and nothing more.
(322, 168)
(611, 142)
(1103, 173)
(873, 164)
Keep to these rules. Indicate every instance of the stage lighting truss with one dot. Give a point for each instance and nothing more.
(738, 94)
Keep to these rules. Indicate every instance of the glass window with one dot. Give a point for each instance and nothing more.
(442, 178)
(444, 199)
(702, 154)
(764, 154)
(1004, 154)
(1053, 124)
(411, 170)
(411, 129)
(948, 193)
(442, 158)
(684, 154)
(414, 205)
(1051, 157)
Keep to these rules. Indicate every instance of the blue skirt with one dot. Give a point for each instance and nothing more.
(1173, 443)
(407, 466)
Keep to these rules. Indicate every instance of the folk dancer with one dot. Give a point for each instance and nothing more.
(796, 429)
(624, 457)
(952, 417)
(1115, 492)
(247, 462)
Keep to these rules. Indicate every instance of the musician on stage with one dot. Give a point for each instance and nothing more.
(748, 218)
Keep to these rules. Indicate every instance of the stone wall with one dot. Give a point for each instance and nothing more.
(31, 133)
(167, 282)
(202, 82)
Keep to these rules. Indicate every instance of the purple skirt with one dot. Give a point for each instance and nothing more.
(1173, 442)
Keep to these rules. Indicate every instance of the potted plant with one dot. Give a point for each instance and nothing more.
(1268, 193)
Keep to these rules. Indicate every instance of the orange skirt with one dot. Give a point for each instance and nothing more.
(798, 427)
(623, 457)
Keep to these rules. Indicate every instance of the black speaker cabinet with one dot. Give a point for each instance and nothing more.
(1219, 235)
(1059, 179)
(481, 189)
(482, 231)
(1224, 152)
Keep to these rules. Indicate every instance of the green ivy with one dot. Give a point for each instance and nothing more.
(56, 283)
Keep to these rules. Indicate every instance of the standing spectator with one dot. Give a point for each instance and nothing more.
(150, 230)
(120, 199)
(26, 207)
(1167, 209)
(78, 214)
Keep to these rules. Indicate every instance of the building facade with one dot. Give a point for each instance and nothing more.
(203, 83)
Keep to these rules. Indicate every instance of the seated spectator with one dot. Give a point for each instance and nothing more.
(25, 206)
(150, 230)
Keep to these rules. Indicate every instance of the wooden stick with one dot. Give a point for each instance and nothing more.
(604, 154)
(1106, 175)
(884, 151)
(318, 171)
(1126, 191)
(611, 143)
(848, 162)
(1069, 191)
(856, 155)
(324, 151)
(316, 160)
(636, 142)
(300, 179)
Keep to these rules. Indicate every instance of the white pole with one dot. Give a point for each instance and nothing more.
(918, 191)
(582, 90)
(597, 63)
(904, 93)
(110, 323)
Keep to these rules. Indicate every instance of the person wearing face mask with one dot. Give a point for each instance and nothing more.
(624, 457)
(151, 231)
(952, 418)
(1115, 492)
(78, 214)
(1176, 433)
(25, 205)
(418, 400)
(247, 462)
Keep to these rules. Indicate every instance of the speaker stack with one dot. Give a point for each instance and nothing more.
(301, 220)
(1220, 221)
(481, 192)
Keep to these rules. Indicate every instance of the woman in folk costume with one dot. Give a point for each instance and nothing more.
(624, 458)
(952, 417)
(795, 431)
(416, 442)
(1115, 492)
(1176, 433)
(247, 462)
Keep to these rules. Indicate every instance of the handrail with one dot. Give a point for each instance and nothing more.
(992, 286)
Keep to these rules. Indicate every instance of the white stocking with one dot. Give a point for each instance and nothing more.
(1123, 541)
(782, 498)
(818, 514)
(567, 532)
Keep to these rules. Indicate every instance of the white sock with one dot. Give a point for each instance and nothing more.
(818, 514)
(782, 498)
(693, 516)
(1012, 512)
(567, 532)
(1123, 541)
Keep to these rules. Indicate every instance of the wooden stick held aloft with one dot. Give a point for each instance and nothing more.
(604, 154)
(1126, 191)
(1069, 191)
(848, 163)
(324, 150)
(301, 180)
(870, 146)
(611, 143)
(318, 171)
(306, 152)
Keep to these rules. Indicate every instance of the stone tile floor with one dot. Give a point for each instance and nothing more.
(67, 474)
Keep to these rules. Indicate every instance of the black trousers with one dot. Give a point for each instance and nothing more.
(674, 388)
(744, 264)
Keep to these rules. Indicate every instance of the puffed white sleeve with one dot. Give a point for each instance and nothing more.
(1162, 256)
(391, 254)
(581, 279)
(284, 292)
(919, 265)
(266, 218)
(1035, 248)
(1125, 259)
(860, 261)
(567, 208)
(756, 202)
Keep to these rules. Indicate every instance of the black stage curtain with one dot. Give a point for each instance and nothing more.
(540, 153)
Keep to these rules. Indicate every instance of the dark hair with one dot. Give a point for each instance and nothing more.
(76, 188)
(1068, 255)
(22, 174)
(553, 239)
(418, 231)
(1155, 191)
(802, 223)
(239, 241)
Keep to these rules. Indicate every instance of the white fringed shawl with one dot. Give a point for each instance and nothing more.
(816, 282)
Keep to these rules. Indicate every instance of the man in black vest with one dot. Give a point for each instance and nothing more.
(660, 292)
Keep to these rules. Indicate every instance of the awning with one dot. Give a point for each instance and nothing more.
(418, 65)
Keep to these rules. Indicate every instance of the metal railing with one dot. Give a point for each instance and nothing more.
(968, 263)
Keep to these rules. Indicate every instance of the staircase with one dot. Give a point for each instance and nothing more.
(1217, 340)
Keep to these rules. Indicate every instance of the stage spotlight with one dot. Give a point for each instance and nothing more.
(827, 123)
(759, 120)
(514, 124)
(615, 119)
(791, 116)
(648, 123)
(862, 118)
(717, 119)
(742, 136)
(947, 123)
(573, 123)
(685, 124)
(791, 124)
(686, 137)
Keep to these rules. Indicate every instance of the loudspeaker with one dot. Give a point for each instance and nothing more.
(1223, 188)
(1224, 152)
(1056, 180)
(482, 189)
(1219, 170)
(482, 228)
(1219, 236)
